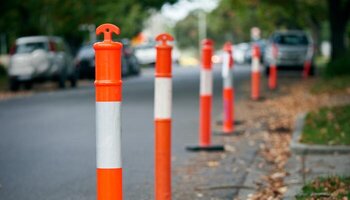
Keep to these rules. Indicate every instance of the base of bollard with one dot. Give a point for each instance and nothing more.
(236, 122)
(211, 148)
(232, 133)
(258, 99)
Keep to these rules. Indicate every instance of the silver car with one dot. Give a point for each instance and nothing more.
(40, 58)
(293, 49)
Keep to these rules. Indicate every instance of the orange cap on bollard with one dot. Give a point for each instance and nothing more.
(163, 64)
(207, 52)
(228, 46)
(256, 51)
(108, 65)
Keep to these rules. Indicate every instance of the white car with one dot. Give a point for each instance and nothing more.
(146, 54)
(40, 58)
(240, 52)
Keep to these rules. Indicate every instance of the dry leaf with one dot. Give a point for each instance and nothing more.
(213, 164)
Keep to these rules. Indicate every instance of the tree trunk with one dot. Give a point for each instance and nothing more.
(338, 18)
(337, 38)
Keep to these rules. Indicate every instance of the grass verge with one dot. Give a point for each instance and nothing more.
(329, 126)
(331, 85)
(334, 187)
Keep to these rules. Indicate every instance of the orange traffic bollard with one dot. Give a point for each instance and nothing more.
(255, 93)
(228, 89)
(307, 68)
(206, 90)
(308, 62)
(162, 115)
(273, 68)
(108, 85)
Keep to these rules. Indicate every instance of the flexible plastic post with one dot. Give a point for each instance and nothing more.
(255, 90)
(206, 90)
(273, 68)
(228, 89)
(308, 62)
(108, 85)
(162, 118)
(205, 100)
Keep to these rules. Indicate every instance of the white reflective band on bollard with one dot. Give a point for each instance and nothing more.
(108, 139)
(225, 65)
(206, 81)
(226, 71)
(255, 64)
(163, 98)
(228, 80)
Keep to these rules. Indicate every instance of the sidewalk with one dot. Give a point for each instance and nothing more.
(236, 173)
(259, 163)
(291, 171)
(304, 168)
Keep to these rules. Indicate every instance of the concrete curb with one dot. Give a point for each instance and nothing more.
(301, 148)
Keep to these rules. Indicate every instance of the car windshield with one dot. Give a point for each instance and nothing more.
(30, 47)
(291, 39)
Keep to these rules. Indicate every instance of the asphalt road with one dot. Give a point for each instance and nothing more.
(47, 141)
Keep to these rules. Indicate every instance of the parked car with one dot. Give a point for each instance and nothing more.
(85, 61)
(240, 52)
(294, 48)
(146, 53)
(40, 58)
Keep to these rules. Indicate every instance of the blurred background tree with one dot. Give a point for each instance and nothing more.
(63, 17)
(186, 31)
(233, 19)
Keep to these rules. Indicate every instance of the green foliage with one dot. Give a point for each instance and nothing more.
(333, 187)
(331, 85)
(338, 67)
(328, 126)
(63, 17)
(2, 70)
(130, 22)
(186, 31)
(233, 19)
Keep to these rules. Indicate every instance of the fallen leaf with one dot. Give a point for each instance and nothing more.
(212, 163)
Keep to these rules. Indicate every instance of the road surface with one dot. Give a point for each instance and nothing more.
(47, 141)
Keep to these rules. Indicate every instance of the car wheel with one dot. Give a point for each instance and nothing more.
(14, 84)
(74, 79)
(28, 85)
(267, 70)
(125, 67)
(62, 80)
(135, 66)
